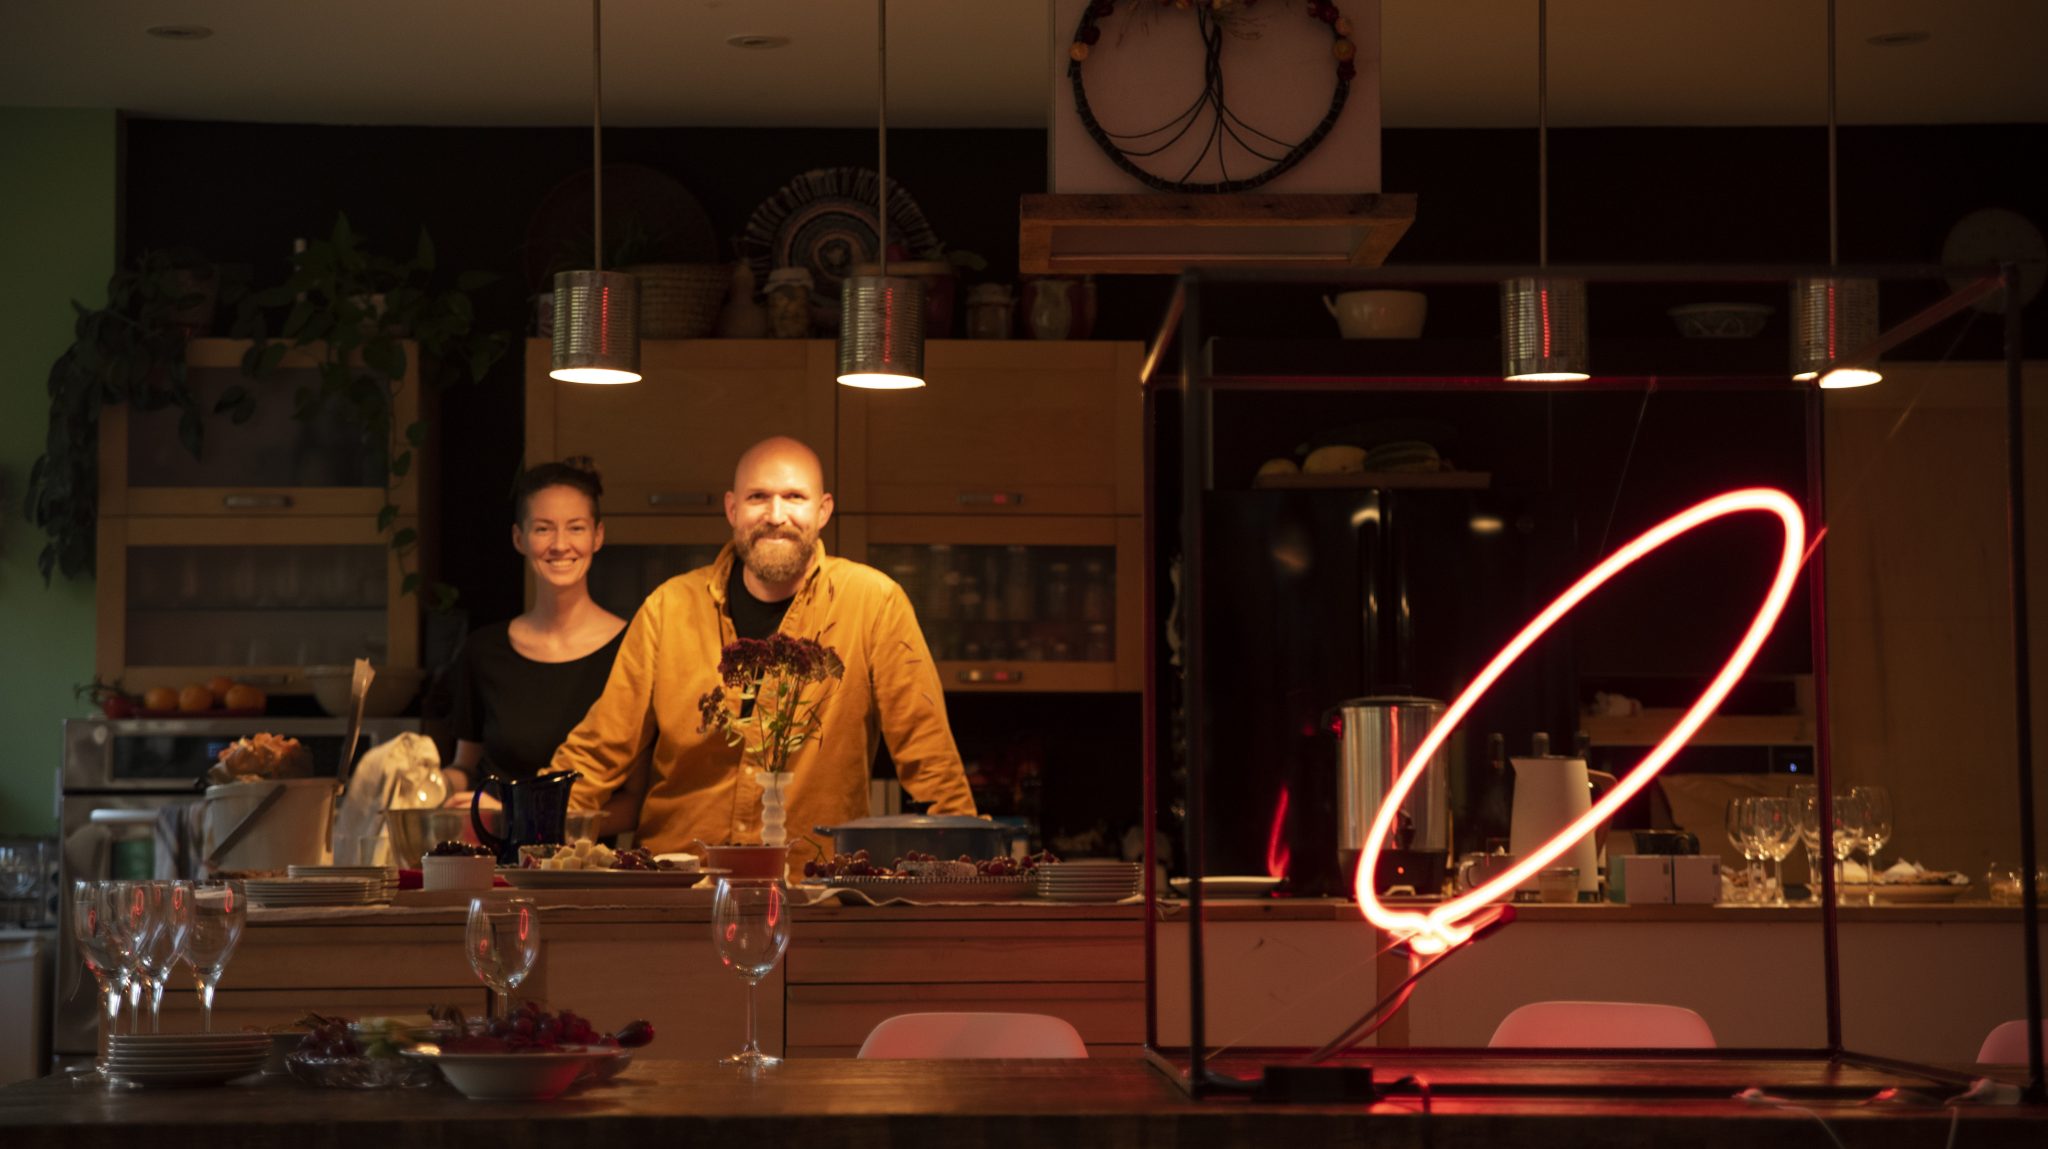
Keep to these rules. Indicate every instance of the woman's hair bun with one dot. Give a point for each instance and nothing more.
(585, 464)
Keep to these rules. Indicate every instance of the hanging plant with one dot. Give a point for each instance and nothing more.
(131, 350)
(352, 309)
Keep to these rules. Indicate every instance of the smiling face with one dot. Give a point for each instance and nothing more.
(777, 506)
(559, 535)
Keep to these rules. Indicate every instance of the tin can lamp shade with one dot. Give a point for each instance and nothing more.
(1543, 329)
(881, 332)
(1832, 316)
(597, 327)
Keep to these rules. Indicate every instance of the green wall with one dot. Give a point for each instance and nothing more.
(59, 173)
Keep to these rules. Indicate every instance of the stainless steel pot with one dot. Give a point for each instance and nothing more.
(942, 836)
(1378, 736)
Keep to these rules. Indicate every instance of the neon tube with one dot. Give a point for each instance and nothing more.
(1447, 924)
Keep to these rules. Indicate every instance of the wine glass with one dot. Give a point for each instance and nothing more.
(1739, 819)
(1778, 831)
(92, 929)
(218, 910)
(750, 928)
(1848, 829)
(1806, 825)
(502, 940)
(128, 927)
(1877, 829)
(170, 925)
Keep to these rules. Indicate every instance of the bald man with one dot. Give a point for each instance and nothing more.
(773, 577)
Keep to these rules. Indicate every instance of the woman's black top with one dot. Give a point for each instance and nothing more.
(521, 710)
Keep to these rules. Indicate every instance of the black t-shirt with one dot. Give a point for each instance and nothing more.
(521, 710)
(751, 618)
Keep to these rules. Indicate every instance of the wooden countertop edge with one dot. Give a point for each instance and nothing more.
(685, 906)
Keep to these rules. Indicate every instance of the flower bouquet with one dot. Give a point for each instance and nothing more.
(761, 706)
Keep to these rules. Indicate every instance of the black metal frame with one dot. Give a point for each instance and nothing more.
(1196, 387)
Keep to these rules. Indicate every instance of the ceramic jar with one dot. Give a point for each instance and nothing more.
(988, 311)
(789, 303)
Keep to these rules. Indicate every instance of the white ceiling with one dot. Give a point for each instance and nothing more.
(985, 63)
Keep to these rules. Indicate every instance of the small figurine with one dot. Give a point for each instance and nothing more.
(742, 317)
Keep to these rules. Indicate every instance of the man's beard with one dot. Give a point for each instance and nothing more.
(776, 564)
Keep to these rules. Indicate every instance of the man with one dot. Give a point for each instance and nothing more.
(773, 576)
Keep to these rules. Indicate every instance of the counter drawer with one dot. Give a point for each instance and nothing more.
(967, 952)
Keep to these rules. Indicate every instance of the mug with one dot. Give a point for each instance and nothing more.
(1378, 314)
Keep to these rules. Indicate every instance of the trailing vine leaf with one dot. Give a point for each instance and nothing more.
(353, 308)
(130, 350)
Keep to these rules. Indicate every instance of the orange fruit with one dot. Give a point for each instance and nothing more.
(242, 696)
(219, 685)
(160, 698)
(195, 697)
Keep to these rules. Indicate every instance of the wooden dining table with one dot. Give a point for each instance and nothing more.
(1432, 1102)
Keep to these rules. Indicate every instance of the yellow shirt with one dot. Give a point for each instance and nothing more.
(669, 660)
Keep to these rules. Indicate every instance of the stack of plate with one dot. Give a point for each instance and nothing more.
(387, 878)
(1088, 880)
(314, 891)
(170, 1059)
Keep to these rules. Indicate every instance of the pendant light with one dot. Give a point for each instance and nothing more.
(1833, 315)
(1543, 317)
(881, 317)
(597, 312)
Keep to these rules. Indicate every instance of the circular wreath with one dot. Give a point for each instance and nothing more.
(1210, 16)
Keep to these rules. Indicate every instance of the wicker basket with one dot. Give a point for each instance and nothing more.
(680, 300)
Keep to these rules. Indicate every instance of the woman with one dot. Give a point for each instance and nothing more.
(520, 687)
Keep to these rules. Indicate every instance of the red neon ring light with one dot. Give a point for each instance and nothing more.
(1446, 925)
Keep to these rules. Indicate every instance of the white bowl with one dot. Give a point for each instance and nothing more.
(1720, 320)
(391, 691)
(1379, 314)
(457, 872)
(509, 1076)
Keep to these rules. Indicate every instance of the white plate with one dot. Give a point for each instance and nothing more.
(1226, 886)
(932, 889)
(1857, 894)
(535, 879)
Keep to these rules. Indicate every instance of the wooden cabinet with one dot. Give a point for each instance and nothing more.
(1038, 603)
(1002, 427)
(261, 556)
(275, 463)
(1004, 496)
(185, 597)
(643, 551)
(667, 444)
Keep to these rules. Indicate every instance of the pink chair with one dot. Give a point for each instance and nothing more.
(2006, 1044)
(934, 1036)
(1602, 1025)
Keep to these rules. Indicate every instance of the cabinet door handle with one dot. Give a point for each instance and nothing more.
(992, 677)
(256, 502)
(990, 498)
(679, 498)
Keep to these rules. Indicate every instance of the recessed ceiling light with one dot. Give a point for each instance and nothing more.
(1898, 39)
(181, 31)
(758, 43)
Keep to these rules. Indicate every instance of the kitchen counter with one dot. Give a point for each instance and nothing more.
(1922, 982)
(833, 1103)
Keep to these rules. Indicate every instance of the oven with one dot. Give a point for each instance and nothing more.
(117, 777)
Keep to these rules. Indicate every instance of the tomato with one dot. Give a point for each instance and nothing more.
(117, 706)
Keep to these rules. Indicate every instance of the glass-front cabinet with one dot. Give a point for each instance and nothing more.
(257, 599)
(274, 462)
(643, 551)
(1018, 604)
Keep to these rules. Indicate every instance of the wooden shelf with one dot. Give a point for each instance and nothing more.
(1167, 234)
(1648, 727)
(1379, 480)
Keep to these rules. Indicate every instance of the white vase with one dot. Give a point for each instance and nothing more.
(773, 832)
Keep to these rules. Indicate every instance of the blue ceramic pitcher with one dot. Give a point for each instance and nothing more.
(536, 812)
